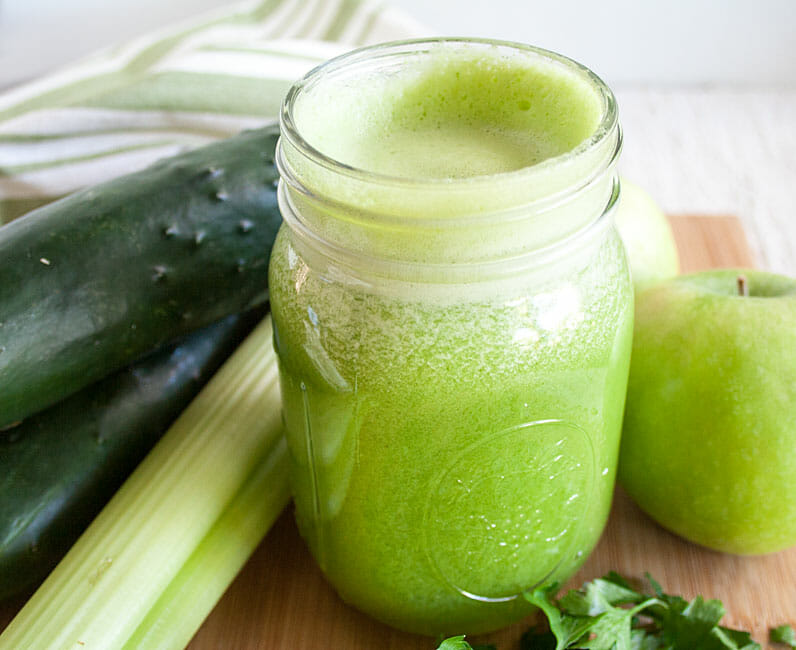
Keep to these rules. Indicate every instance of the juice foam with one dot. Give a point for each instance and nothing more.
(457, 115)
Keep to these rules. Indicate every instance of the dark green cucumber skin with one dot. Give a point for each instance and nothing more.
(94, 281)
(59, 467)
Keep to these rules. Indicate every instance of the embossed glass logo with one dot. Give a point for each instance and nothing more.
(512, 506)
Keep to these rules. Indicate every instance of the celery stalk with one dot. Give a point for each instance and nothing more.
(189, 598)
(172, 516)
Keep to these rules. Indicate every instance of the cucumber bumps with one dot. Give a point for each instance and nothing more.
(97, 279)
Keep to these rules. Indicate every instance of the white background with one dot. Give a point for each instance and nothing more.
(676, 42)
(749, 42)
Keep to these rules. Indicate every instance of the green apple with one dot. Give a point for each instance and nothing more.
(647, 235)
(709, 440)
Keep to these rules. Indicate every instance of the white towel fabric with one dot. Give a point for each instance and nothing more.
(130, 105)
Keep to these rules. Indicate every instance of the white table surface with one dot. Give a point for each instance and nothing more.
(719, 148)
(718, 151)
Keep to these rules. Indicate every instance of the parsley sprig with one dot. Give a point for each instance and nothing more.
(609, 614)
(784, 634)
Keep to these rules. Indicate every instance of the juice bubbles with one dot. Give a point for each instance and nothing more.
(453, 314)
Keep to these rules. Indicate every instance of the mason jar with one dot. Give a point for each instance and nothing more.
(452, 313)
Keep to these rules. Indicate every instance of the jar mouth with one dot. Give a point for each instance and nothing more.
(416, 225)
(608, 122)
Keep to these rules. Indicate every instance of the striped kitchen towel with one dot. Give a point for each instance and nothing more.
(128, 106)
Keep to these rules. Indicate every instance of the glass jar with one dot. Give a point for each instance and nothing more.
(452, 313)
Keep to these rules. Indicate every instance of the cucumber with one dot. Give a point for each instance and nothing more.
(59, 467)
(93, 281)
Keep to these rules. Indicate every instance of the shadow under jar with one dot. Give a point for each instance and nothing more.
(453, 313)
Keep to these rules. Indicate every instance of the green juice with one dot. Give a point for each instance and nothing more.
(452, 388)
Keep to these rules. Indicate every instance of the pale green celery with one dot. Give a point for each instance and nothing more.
(181, 609)
(174, 522)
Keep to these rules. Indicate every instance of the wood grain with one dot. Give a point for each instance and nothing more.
(711, 243)
(280, 600)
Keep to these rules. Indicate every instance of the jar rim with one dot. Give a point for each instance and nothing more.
(486, 270)
(609, 120)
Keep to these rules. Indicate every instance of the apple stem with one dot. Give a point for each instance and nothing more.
(743, 286)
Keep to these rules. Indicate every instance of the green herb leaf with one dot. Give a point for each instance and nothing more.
(656, 587)
(614, 627)
(641, 640)
(610, 614)
(566, 629)
(735, 639)
(692, 626)
(592, 617)
(458, 643)
(597, 597)
(784, 634)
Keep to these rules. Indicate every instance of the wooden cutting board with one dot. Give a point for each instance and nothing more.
(280, 600)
